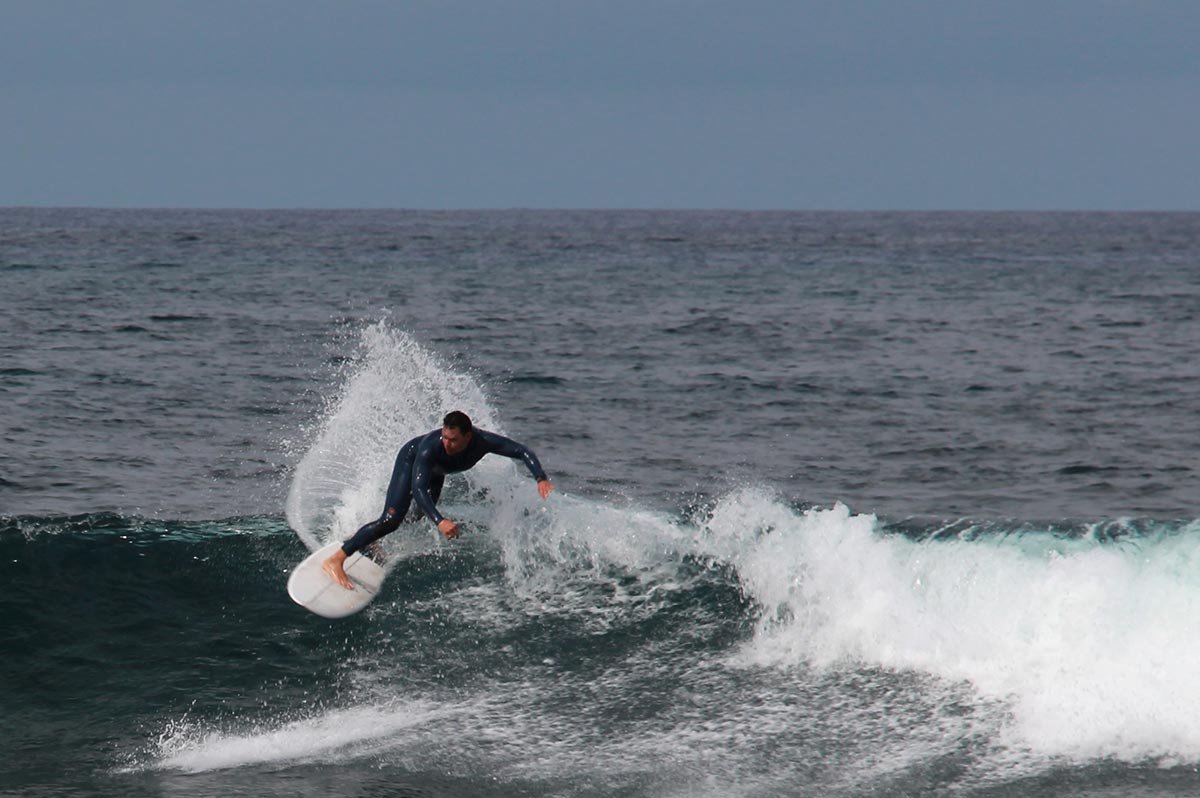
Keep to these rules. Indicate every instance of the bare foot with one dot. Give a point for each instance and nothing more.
(333, 567)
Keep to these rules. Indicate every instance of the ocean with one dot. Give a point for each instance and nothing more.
(847, 504)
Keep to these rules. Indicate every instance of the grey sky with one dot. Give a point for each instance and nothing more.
(1089, 104)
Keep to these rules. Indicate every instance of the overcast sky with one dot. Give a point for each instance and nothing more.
(844, 104)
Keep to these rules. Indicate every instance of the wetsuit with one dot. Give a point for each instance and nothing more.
(421, 469)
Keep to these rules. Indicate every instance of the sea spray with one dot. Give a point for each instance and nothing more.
(581, 555)
(394, 391)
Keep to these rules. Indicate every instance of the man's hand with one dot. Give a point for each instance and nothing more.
(544, 488)
(448, 528)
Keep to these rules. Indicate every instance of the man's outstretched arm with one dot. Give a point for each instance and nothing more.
(507, 447)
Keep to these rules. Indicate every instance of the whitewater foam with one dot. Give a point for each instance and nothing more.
(1003, 654)
(1091, 645)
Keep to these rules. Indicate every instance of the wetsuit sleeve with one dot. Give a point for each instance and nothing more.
(506, 447)
(422, 475)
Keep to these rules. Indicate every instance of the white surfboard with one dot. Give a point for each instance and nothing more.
(312, 588)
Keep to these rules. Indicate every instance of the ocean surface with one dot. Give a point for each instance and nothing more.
(847, 504)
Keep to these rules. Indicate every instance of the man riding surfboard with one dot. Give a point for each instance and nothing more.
(420, 471)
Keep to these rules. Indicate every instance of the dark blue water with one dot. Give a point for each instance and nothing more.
(856, 504)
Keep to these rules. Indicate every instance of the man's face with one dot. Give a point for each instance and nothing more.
(453, 441)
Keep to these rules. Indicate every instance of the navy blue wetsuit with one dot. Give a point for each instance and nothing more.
(421, 469)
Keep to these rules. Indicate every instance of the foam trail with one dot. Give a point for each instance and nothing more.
(348, 731)
(396, 391)
(1091, 644)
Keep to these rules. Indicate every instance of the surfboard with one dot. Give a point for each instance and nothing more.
(312, 588)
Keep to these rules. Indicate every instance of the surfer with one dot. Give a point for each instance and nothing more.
(421, 469)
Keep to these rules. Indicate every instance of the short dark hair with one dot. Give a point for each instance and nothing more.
(458, 420)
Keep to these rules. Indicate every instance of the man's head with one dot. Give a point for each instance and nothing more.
(456, 432)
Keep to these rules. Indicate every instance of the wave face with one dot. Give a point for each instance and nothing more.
(579, 648)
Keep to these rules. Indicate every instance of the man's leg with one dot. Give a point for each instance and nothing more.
(399, 496)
